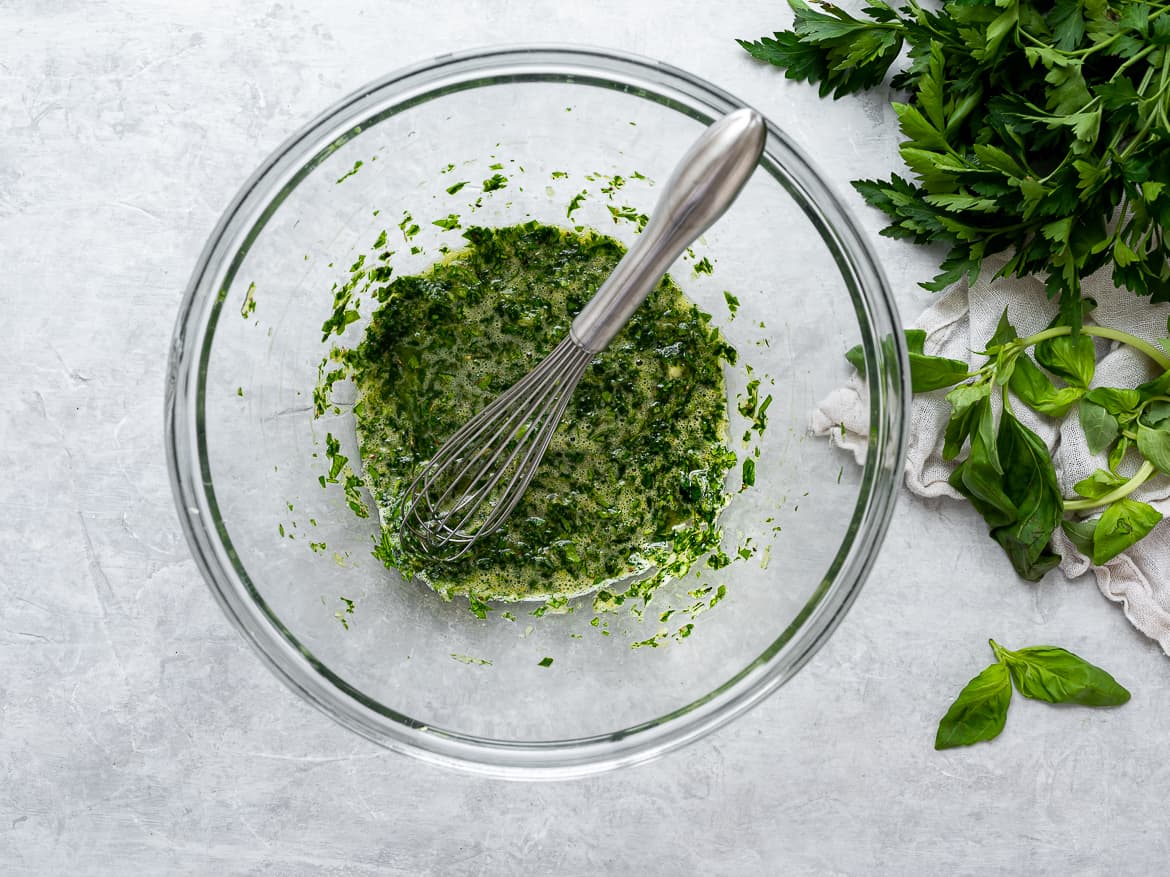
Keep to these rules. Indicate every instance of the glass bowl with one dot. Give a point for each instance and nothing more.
(291, 564)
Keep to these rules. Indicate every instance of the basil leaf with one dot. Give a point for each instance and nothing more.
(1099, 426)
(979, 478)
(983, 436)
(915, 341)
(1029, 480)
(1073, 359)
(1155, 446)
(1058, 676)
(1159, 386)
(1099, 484)
(1118, 452)
(1115, 400)
(935, 372)
(979, 712)
(1004, 332)
(963, 416)
(1121, 525)
(1156, 414)
(1036, 391)
(856, 357)
(1060, 403)
(1080, 533)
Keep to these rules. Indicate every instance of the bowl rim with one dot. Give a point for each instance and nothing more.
(243, 220)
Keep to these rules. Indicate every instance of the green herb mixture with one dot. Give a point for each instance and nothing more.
(634, 476)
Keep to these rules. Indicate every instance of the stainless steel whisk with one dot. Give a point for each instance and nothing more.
(474, 481)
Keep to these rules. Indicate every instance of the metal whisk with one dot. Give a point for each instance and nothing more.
(474, 481)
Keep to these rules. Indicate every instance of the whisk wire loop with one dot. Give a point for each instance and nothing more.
(442, 506)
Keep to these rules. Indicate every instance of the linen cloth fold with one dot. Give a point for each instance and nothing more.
(960, 322)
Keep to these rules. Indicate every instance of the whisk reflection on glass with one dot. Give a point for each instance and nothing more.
(474, 481)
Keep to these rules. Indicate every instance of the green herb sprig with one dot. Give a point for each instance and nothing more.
(1008, 474)
(1045, 673)
(1028, 127)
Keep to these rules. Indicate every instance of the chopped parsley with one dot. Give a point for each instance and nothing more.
(649, 412)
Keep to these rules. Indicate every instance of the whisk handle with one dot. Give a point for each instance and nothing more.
(701, 188)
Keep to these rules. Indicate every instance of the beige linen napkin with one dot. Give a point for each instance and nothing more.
(961, 321)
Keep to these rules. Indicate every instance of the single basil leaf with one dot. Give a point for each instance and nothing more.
(1029, 480)
(1099, 426)
(1099, 484)
(1122, 524)
(1081, 534)
(979, 478)
(1155, 446)
(1073, 359)
(982, 487)
(1036, 391)
(1116, 400)
(979, 712)
(983, 436)
(1156, 414)
(856, 357)
(958, 428)
(1058, 676)
(1118, 452)
(1004, 332)
(915, 340)
(1029, 383)
(963, 416)
(1159, 386)
(935, 372)
(1061, 402)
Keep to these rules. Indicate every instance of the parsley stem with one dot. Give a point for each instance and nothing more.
(1139, 478)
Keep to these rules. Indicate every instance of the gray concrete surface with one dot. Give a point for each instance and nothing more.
(139, 734)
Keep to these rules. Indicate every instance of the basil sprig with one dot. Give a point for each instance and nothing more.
(1045, 673)
(1008, 474)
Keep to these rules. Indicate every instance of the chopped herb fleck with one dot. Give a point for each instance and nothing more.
(749, 473)
(494, 182)
(357, 166)
(249, 305)
(468, 659)
(576, 203)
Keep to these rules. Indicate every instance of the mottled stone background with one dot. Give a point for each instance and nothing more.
(139, 734)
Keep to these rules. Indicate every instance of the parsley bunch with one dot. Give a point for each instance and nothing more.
(1029, 127)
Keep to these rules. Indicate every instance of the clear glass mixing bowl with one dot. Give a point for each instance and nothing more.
(290, 563)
